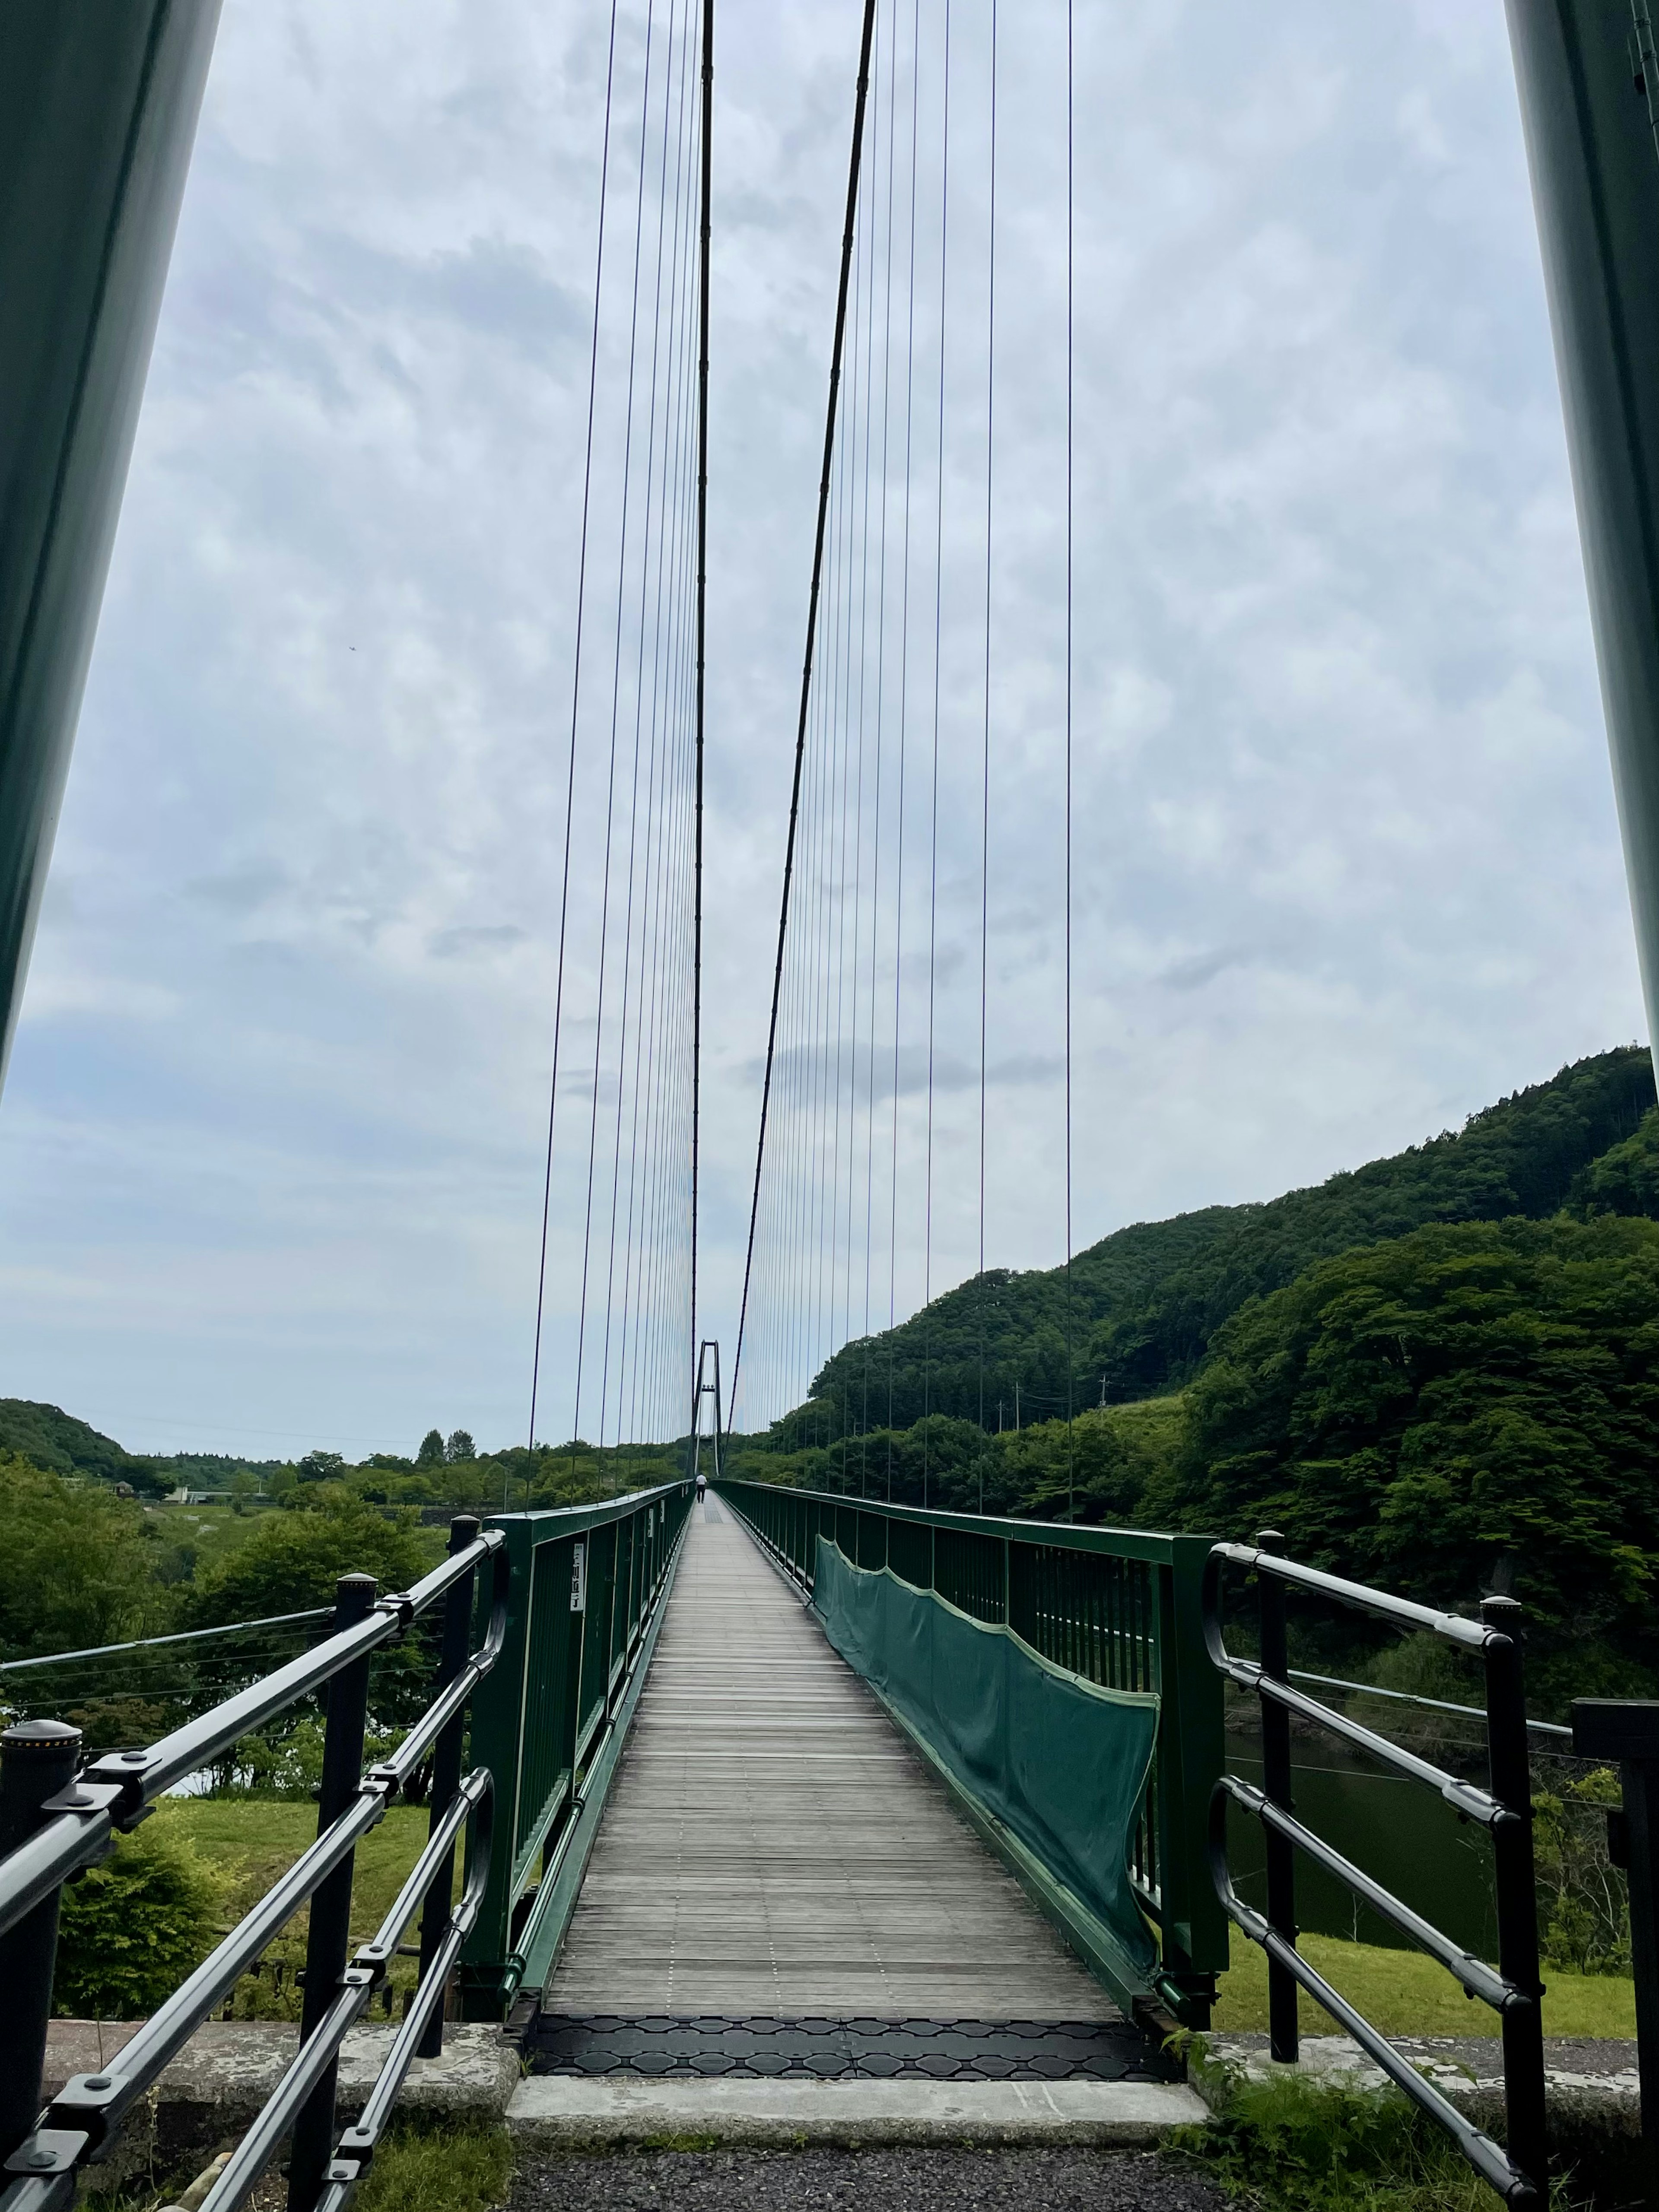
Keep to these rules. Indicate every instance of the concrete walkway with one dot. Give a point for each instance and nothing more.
(772, 1846)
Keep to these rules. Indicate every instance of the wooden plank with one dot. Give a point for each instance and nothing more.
(771, 1846)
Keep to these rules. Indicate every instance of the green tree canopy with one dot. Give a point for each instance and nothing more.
(431, 1453)
(76, 1566)
(292, 1561)
(1135, 1315)
(460, 1446)
(48, 1437)
(1625, 1179)
(1414, 1413)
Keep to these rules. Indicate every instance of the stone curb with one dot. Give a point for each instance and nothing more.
(568, 2111)
(213, 2089)
(1597, 2081)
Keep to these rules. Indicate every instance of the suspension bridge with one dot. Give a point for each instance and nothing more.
(791, 1795)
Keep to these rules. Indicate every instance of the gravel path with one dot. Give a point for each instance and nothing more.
(893, 2181)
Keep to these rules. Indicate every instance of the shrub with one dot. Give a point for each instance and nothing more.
(131, 1929)
(1583, 1904)
(1292, 2145)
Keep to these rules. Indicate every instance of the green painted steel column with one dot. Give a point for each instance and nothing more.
(496, 1741)
(1590, 103)
(98, 106)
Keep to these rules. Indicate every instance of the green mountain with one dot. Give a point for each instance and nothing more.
(51, 1438)
(1144, 1305)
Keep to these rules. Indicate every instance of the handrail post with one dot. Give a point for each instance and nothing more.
(447, 1769)
(1276, 1781)
(1516, 1892)
(329, 1937)
(497, 1742)
(37, 1760)
(1191, 1753)
(575, 1650)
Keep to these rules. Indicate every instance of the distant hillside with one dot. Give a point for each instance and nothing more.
(1147, 1301)
(55, 1440)
(49, 1437)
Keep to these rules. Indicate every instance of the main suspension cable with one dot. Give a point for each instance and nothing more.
(701, 619)
(570, 784)
(837, 343)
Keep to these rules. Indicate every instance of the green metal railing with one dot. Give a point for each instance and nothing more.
(1116, 1607)
(585, 1603)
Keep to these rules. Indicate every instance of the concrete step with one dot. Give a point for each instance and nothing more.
(565, 2112)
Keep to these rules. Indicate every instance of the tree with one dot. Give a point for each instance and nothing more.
(1141, 1309)
(292, 1561)
(75, 1567)
(431, 1453)
(242, 1487)
(1420, 1411)
(321, 1467)
(460, 1446)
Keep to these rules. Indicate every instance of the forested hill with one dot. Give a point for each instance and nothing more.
(1147, 1300)
(48, 1437)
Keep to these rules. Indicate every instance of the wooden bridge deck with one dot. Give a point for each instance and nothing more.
(773, 1846)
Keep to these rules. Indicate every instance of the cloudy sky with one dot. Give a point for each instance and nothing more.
(1347, 861)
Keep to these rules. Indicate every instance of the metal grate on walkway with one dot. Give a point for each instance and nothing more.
(869, 2049)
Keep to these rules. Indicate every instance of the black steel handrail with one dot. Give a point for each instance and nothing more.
(1476, 1976)
(368, 1970)
(1486, 2157)
(1456, 1627)
(1519, 2173)
(115, 1792)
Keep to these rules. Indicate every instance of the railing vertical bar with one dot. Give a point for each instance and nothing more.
(1282, 1993)
(447, 1772)
(328, 1938)
(1522, 2026)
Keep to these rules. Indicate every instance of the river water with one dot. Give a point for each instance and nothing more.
(1398, 1831)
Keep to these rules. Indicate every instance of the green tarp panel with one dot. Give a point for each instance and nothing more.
(1059, 1762)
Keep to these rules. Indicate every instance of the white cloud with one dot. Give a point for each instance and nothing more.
(1346, 865)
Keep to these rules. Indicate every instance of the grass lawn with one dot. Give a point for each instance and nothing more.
(1404, 1993)
(253, 1840)
(1400, 1992)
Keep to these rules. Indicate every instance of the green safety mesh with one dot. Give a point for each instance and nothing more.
(1060, 1762)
